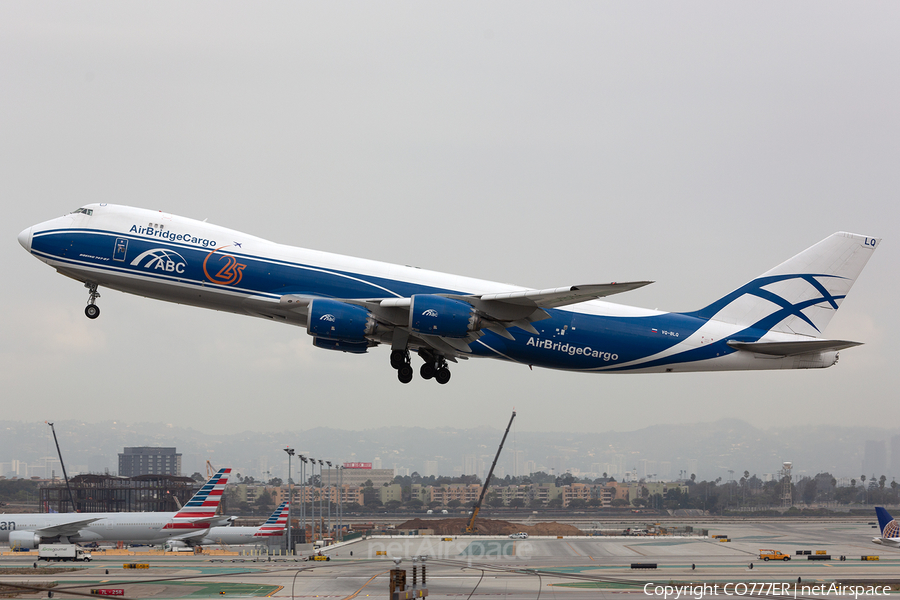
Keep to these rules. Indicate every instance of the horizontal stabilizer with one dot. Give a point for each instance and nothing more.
(793, 348)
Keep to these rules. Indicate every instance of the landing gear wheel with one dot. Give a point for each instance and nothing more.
(405, 374)
(442, 376)
(427, 371)
(399, 358)
(92, 311)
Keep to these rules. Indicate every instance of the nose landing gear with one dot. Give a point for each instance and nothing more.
(92, 311)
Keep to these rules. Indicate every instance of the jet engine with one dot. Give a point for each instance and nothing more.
(436, 315)
(336, 320)
(24, 539)
(341, 346)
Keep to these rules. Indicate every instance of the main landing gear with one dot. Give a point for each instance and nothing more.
(435, 367)
(92, 311)
(400, 361)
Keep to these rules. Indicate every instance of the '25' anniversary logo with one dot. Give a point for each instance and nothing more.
(229, 274)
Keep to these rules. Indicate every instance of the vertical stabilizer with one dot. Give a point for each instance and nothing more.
(201, 508)
(802, 294)
(276, 524)
(886, 523)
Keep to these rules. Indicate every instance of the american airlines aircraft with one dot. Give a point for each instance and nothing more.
(350, 304)
(275, 526)
(194, 519)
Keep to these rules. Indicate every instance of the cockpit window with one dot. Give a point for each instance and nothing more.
(84, 211)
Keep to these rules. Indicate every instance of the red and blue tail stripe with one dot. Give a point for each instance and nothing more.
(202, 506)
(276, 524)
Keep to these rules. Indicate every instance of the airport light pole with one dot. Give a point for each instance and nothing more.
(321, 518)
(302, 496)
(290, 453)
(340, 477)
(328, 462)
(312, 497)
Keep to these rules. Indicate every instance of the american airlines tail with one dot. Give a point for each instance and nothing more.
(200, 510)
(276, 524)
(890, 529)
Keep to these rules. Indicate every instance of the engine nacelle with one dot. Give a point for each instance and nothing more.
(24, 539)
(341, 346)
(436, 315)
(336, 320)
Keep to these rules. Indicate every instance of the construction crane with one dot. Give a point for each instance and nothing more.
(63, 465)
(470, 528)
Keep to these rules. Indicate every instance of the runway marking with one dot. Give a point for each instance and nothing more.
(635, 551)
(353, 595)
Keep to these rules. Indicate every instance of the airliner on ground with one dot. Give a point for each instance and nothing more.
(275, 526)
(890, 529)
(195, 518)
(350, 304)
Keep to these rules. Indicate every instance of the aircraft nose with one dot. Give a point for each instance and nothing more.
(25, 239)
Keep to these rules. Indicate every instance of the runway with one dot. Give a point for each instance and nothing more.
(572, 567)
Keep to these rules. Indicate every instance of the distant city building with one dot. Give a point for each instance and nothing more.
(875, 459)
(470, 464)
(895, 456)
(431, 469)
(356, 474)
(149, 460)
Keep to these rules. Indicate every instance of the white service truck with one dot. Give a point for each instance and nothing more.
(62, 552)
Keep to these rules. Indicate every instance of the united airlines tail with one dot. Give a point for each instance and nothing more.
(276, 524)
(890, 529)
(798, 297)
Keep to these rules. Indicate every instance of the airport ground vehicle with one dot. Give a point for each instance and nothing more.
(768, 555)
(62, 552)
(518, 536)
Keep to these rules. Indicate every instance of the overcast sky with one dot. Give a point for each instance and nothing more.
(541, 144)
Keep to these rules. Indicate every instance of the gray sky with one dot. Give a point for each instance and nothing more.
(542, 144)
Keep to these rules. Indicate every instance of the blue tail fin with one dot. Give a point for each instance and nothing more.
(884, 521)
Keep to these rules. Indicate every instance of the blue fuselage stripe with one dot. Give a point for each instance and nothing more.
(568, 340)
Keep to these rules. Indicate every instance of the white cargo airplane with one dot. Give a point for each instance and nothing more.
(194, 519)
(275, 526)
(351, 304)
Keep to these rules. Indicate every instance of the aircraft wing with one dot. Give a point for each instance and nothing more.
(556, 297)
(498, 311)
(65, 529)
(190, 536)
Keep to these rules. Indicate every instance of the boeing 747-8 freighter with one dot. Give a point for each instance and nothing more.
(776, 321)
